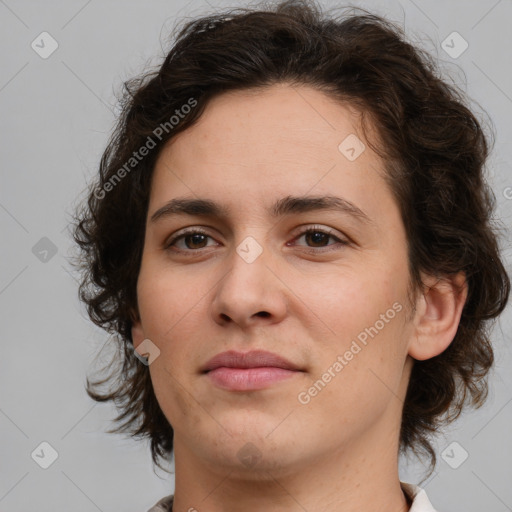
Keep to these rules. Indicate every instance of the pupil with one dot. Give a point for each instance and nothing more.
(317, 236)
(194, 237)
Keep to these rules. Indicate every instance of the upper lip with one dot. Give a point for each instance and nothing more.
(253, 359)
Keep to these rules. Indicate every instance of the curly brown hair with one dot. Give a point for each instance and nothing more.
(433, 146)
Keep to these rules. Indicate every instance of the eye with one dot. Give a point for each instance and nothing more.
(195, 239)
(318, 236)
(191, 238)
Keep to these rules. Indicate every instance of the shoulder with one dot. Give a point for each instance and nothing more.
(420, 501)
(164, 505)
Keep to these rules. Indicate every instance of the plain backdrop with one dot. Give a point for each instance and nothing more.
(56, 117)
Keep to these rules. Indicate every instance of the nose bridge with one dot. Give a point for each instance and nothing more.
(249, 287)
(248, 264)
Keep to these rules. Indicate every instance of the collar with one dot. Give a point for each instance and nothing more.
(420, 501)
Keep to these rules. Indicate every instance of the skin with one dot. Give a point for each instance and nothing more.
(339, 451)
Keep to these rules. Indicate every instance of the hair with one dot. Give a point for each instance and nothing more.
(433, 147)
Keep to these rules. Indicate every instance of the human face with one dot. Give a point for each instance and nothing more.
(309, 298)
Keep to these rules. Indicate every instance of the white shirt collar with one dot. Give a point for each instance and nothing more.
(420, 503)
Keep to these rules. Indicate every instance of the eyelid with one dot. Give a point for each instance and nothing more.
(304, 228)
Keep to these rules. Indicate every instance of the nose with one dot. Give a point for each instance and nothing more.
(251, 292)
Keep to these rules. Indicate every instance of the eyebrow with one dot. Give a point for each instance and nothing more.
(285, 206)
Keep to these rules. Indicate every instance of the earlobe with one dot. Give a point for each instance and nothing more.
(439, 308)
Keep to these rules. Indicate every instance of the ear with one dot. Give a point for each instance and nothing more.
(438, 310)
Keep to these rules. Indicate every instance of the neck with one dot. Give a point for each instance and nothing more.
(362, 475)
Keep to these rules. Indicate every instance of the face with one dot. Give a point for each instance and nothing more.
(333, 300)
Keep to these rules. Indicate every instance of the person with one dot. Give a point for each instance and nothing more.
(291, 238)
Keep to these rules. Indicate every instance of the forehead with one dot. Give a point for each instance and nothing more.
(265, 143)
(285, 120)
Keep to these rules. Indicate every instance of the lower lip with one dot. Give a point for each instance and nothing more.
(248, 379)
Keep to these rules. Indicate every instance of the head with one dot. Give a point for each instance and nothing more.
(265, 114)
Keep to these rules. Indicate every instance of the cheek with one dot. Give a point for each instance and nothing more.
(165, 301)
(170, 319)
(365, 314)
(173, 400)
(354, 382)
(352, 300)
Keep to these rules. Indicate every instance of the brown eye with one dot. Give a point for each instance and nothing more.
(319, 238)
(189, 241)
(195, 239)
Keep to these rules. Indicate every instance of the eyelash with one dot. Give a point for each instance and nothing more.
(313, 229)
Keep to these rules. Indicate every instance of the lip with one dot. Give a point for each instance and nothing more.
(248, 371)
(252, 359)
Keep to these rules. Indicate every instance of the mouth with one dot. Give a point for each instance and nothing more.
(237, 371)
(248, 379)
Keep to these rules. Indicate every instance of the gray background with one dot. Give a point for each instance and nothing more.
(57, 114)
